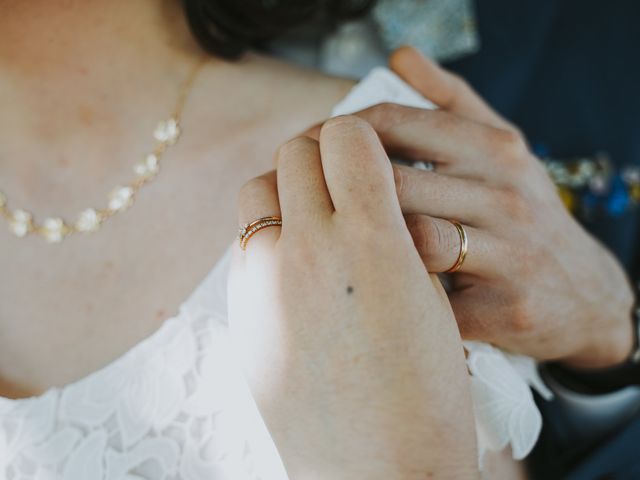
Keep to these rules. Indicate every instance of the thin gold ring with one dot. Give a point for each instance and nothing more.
(250, 229)
(464, 246)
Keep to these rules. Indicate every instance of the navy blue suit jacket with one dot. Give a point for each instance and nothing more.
(567, 72)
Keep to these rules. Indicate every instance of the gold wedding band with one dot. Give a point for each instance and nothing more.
(464, 245)
(250, 229)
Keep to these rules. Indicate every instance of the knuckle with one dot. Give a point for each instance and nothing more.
(510, 140)
(511, 201)
(459, 83)
(295, 146)
(400, 178)
(345, 122)
(384, 116)
(255, 185)
(383, 110)
(422, 232)
(522, 319)
(444, 121)
(516, 131)
(510, 149)
(429, 238)
(458, 88)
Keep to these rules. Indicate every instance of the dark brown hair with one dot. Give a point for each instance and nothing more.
(228, 28)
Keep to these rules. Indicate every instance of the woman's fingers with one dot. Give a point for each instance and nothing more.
(443, 88)
(357, 170)
(439, 244)
(428, 193)
(259, 199)
(301, 185)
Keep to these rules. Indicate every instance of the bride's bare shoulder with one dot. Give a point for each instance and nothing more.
(305, 77)
(264, 85)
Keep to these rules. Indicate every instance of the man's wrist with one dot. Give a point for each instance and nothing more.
(605, 349)
(615, 376)
(610, 336)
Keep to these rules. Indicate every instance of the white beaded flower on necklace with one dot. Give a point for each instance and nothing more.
(54, 229)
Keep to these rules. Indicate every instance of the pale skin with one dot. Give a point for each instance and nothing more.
(68, 140)
(67, 310)
(70, 309)
(349, 345)
(536, 282)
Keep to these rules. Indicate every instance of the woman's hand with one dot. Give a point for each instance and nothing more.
(534, 281)
(350, 347)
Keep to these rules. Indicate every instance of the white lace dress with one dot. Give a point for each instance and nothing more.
(176, 407)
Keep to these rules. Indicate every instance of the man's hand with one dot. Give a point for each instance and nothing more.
(534, 282)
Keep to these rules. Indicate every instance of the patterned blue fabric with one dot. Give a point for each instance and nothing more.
(441, 29)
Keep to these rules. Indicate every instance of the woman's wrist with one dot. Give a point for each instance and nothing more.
(403, 451)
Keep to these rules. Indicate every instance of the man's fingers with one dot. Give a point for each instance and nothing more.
(313, 131)
(443, 88)
(357, 170)
(301, 185)
(458, 146)
(478, 313)
(439, 244)
(258, 199)
(429, 193)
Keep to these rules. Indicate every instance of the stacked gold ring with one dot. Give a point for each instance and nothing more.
(464, 246)
(250, 229)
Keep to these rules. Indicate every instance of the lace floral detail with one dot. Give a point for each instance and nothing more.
(506, 414)
(174, 407)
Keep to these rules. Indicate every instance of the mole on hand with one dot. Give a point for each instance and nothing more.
(349, 290)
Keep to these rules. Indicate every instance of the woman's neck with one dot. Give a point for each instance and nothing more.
(66, 62)
(65, 37)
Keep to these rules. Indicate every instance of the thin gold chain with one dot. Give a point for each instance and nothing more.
(54, 229)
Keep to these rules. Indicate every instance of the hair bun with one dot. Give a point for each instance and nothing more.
(229, 27)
